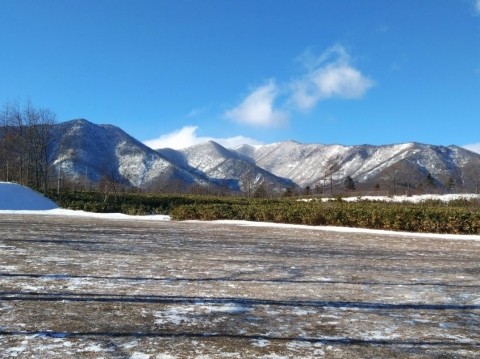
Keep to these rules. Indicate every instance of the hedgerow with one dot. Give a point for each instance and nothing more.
(398, 217)
(132, 203)
(433, 216)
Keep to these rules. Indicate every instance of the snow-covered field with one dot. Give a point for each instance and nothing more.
(84, 286)
(403, 198)
(17, 199)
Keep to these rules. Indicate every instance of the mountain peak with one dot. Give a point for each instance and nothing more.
(77, 121)
(83, 148)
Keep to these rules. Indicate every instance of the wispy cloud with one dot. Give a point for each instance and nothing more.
(474, 147)
(187, 136)
(195, 112)
(477, 6)
(257, 109)
(330, 75)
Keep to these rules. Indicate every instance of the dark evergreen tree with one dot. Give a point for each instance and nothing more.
(450, 184)
(349, 183)
(430, 181)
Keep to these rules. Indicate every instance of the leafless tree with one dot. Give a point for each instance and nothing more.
(331, 167)
(25, 137)
(247, 183)
(472, 175)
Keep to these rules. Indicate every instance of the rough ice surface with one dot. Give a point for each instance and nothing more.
(77, 284)
(87, 287)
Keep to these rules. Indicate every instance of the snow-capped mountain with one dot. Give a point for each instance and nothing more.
(226, 166)
(84, 150)
(312, 164)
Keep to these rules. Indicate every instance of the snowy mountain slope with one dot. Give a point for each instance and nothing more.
(83, 149)
(307, 164)
(227, 166)
(310, 164)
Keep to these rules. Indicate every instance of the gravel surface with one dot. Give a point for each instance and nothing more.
(93, 288)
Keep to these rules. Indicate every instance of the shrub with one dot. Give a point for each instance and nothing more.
(433, 216)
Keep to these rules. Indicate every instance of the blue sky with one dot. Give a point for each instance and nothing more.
(176, 72)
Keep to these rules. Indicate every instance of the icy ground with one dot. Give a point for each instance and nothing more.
(84, 285)
(74, 286)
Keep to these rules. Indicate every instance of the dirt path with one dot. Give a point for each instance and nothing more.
(89, 288)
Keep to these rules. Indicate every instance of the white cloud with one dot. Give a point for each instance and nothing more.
(477, 6)
(232, 142)
(187, 136)
(257, 109)
(475, 147)
(331, 75)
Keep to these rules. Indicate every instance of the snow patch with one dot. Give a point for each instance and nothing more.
(138, 355)
(465, 237)
(261, 343)
(16, 197)
(190, 314)
(72, 213)
(94, 348)
(400, 199)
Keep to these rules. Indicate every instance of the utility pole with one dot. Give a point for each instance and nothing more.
(86, 177)
(58, 181)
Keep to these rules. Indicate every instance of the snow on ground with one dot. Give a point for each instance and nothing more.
(16, 197)
(72, 213)
(404, 198)
(350, 230)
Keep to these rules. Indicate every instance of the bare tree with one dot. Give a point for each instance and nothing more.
(25, 139)
(247, 183)
(6, 141)
(472, 175)
(261, 191)
(40, 122)
(391, 177)
(332, 167)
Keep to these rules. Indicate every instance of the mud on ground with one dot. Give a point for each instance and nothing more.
(90, 288)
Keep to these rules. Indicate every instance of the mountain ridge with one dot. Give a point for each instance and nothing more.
(86, 150)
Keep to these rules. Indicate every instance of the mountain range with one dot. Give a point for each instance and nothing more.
(88, 152)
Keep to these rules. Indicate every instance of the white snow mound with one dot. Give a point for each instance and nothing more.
(16, 197)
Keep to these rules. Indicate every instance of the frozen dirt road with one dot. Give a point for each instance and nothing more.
(88, 288)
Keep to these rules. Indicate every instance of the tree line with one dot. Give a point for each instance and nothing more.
(26, 157)
(25, 139)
